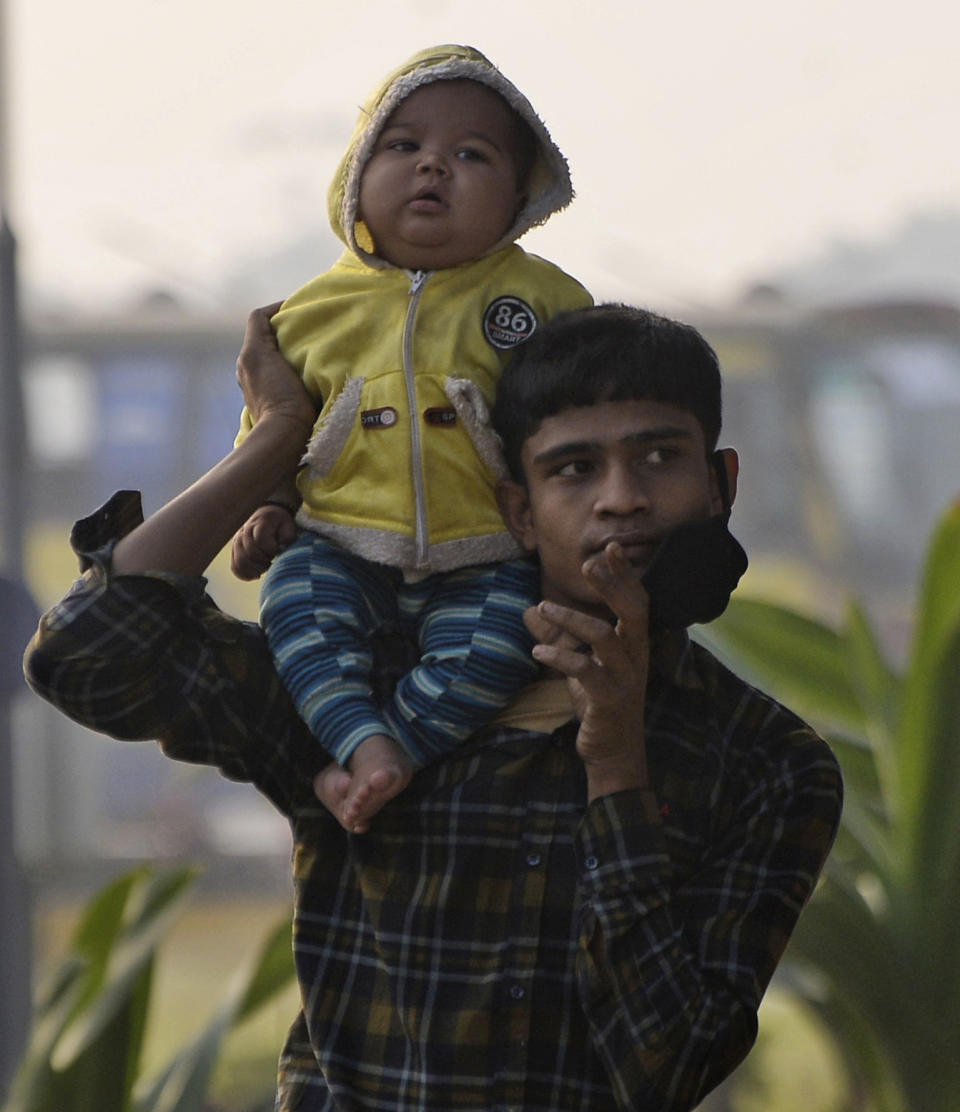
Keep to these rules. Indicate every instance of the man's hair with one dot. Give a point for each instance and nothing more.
(607, 353)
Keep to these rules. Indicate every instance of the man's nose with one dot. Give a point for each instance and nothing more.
(621, 491)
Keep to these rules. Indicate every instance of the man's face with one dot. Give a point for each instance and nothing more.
(629, 471)
(441, 185)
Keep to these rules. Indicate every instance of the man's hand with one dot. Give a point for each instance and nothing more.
(270, 385)
(606, 666)
(266, 532)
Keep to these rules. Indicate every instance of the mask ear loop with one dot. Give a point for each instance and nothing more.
(723, 480)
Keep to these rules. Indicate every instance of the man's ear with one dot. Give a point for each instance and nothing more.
(729, 461)
(514, 503)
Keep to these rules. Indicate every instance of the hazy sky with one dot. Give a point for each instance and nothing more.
(161, 141)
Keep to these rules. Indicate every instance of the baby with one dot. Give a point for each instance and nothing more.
(401, 343)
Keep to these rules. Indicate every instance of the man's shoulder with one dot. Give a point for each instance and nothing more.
(774, 761)
(754, 720)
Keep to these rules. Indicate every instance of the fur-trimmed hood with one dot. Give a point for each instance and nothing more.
(548, 188)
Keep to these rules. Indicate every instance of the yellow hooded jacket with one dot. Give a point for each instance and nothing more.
(402, 465)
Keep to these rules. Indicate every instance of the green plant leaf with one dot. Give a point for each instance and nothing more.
(866, 1064)
(799, 660)
(270, 972)
(89, 1019)
(181, 1086)
(929, 729)
(876, 685)
(931, 859)
(864, 963)
(152, 901)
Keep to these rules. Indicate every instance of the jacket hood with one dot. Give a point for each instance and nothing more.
(549, 188)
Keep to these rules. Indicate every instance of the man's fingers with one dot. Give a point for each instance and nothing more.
(568, 628)
(259, 320)
(573, 663)
(258, 332)
(590, 648)
(580, 646)
(548, 632)
(617, 581)
(267, 380)
(614, 578)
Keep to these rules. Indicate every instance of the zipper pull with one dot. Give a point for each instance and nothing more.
(418, 278)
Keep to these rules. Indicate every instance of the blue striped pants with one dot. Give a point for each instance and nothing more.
(319, 607)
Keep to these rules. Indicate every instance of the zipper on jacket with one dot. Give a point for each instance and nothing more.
(417, 281)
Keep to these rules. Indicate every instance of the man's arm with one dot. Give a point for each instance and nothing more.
(673, 962)
(186, 534)
(150, 658)
(137, 651)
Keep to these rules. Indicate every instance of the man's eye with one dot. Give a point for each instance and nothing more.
(574, 469)
(656, 457)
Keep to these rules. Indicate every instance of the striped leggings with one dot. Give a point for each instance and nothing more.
(319, 607)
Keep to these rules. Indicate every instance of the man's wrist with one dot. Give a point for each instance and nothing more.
(293, 422)
(278, 440)
(621, 772)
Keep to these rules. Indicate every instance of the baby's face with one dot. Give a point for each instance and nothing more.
(441, 185)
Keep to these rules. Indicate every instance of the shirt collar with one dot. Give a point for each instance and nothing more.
(672, 660)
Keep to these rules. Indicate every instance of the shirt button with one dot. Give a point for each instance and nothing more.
(517, 992)
(533, 860)
(591, 862)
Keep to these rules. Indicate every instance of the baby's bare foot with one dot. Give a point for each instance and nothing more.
(379, 769)
(331, 787)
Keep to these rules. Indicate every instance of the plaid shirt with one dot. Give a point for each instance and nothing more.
(492, 942)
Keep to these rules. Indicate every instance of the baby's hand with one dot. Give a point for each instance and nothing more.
(266, 532)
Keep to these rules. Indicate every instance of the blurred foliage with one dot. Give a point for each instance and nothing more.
(90, 1017)
(875, 953)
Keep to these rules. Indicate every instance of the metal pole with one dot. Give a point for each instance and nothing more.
(19, 617)
(12, 419)
(15, 934)
(12, 435)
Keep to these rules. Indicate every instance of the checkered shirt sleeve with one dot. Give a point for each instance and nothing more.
(151, 657)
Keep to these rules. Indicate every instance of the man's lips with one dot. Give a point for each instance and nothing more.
(637, 547)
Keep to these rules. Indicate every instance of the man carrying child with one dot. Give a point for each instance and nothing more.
(581, 906)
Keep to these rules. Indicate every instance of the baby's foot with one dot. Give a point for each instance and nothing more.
(331, 787)
(378, 770)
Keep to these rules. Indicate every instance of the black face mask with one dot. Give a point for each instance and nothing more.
(696, 568)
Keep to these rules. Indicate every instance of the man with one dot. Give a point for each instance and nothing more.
(582, 907)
